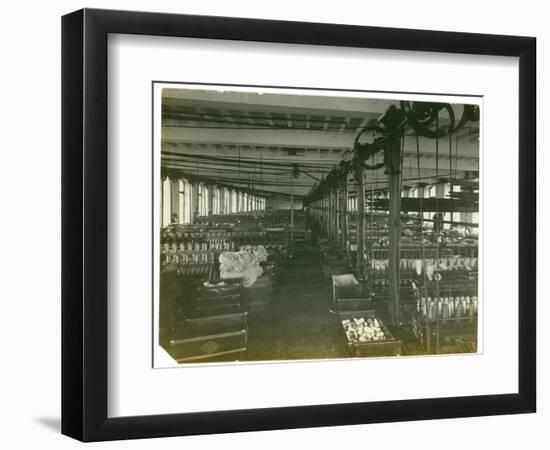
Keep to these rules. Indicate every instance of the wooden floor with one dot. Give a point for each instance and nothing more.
(296, 324)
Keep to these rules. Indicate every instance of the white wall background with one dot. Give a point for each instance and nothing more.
(30, 229)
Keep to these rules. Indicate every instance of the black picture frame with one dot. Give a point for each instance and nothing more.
(84, 224)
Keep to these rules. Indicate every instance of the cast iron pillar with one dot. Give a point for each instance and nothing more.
(360, 223)
(394, 176)
(345, 242)
(393, 122)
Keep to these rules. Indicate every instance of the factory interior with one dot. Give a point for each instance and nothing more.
(316, 225)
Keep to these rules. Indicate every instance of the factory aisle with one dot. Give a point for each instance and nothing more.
(297, 323)
(308, 328)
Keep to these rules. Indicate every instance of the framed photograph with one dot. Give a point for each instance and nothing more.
(273, 224)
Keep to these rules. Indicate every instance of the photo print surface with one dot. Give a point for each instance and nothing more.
(310, 224)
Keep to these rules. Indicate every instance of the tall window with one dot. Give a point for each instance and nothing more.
(226, 200)
(234, 202)
(166, 202)
(429, 191)
(215, 200)
(187, 213)
(181, 201)
(201, 200)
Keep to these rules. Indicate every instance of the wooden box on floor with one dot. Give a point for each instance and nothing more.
(211, 337)
(354, 304)
(386, 347)
(216, 305)
(218, 298)
(344, 286)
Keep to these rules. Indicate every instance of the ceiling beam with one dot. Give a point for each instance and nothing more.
(279, 103)
(305, 139)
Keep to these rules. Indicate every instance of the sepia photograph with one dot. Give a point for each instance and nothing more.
(310, 224)
(287, 221)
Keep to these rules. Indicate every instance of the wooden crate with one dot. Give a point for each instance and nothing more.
(219, 304)
(354, 304)
(346, 286)
(217, 300)
(387, 347)
(210, 337)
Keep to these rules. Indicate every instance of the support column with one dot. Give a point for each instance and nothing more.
(345, 218)
(327, 216)
(394, 178)
(322, 216)
(292, 210)
(360, 223)
(337, 222)
(334, 216)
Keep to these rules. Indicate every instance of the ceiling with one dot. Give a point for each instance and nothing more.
(253, 139)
